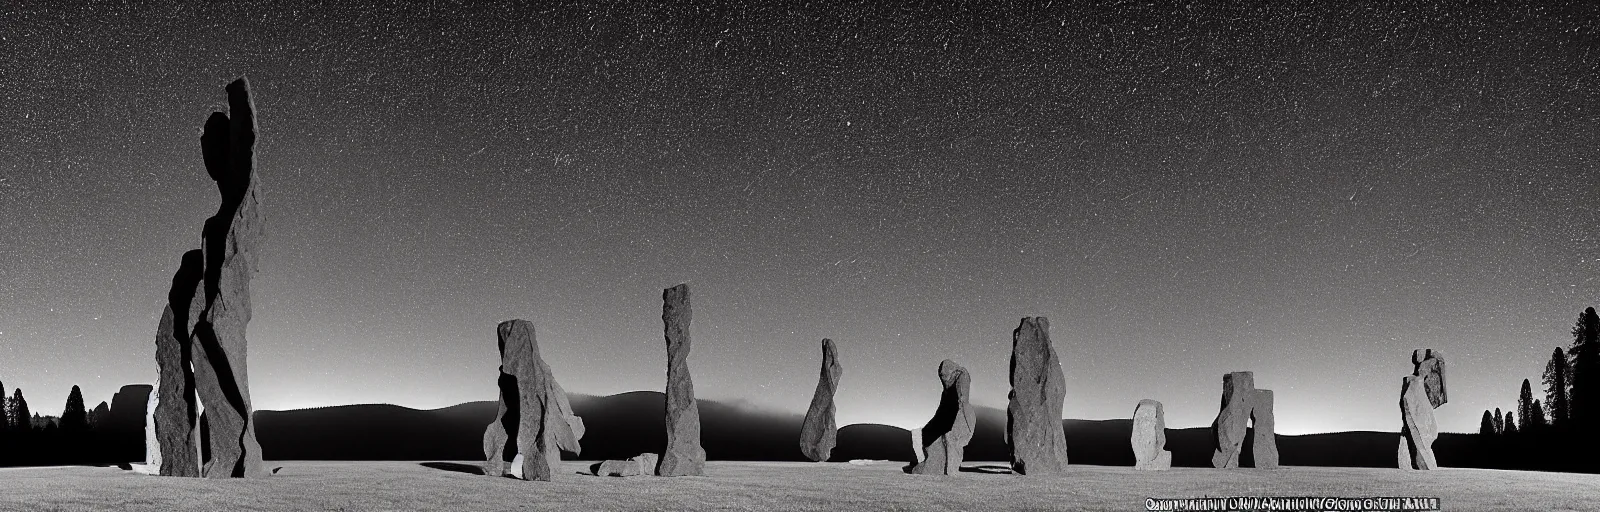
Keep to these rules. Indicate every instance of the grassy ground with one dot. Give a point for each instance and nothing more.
(767, 486)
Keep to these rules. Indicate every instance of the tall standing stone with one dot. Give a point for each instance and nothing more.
(952, 425)
(1149, 438)
(1038, 389)
(208, 309)
(683, 456)
(533, 413)
(1420, 393)
(229, 243)
(819, 433)
(1264, 442)
(1229, 428)
(1242, 402)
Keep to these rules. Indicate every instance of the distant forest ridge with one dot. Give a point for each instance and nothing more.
(627, 424)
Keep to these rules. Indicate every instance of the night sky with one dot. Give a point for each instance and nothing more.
(1306, 190)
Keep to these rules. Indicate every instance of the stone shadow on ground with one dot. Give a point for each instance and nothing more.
(454, 466)
(988, 469)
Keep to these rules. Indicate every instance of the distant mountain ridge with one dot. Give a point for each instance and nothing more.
(623, 425)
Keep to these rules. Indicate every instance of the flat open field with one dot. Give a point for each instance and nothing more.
(318, 485)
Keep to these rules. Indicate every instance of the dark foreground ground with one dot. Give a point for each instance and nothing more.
(728, 485)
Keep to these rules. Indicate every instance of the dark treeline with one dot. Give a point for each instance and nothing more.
(1558, 432)
(79, 436)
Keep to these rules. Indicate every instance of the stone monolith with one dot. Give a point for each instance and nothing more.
(819, 433)
(952, 425)
(533, 414)
(1149, 439)
(208, 309)
(1038, 388)
(1264, 441)
(683, 455)
(1420, 393)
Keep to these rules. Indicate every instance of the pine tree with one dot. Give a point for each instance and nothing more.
(19, 411)
(1511, 423)
(75, 417)
(1584, 374)
(1556, 389)
(1499, 421)
(1525, 405)
(1537, 422)
(1487, 427)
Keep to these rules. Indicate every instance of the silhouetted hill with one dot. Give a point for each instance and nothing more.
(617, 427)
(624, 425)
(373, 432)
(872, 441)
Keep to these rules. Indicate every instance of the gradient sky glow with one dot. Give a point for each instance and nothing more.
(1306, 190)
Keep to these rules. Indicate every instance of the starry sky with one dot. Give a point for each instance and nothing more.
(1306, 190)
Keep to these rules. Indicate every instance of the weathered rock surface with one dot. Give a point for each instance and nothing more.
(1234, 419)
(533, 414)
(617, 468)
(200, 342)
(952, 425)
(563, 426)
(916, 446)
(1420, 393)
(683, 456)
(1264, 444)
(1420, 430)
(1149, 439)
(1241, 402)
(152, 445)
(176, 421)
(819, 433)
(518, 465)
(643, 464)
(1038, 389)
(1429, 364)
(229, 242)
